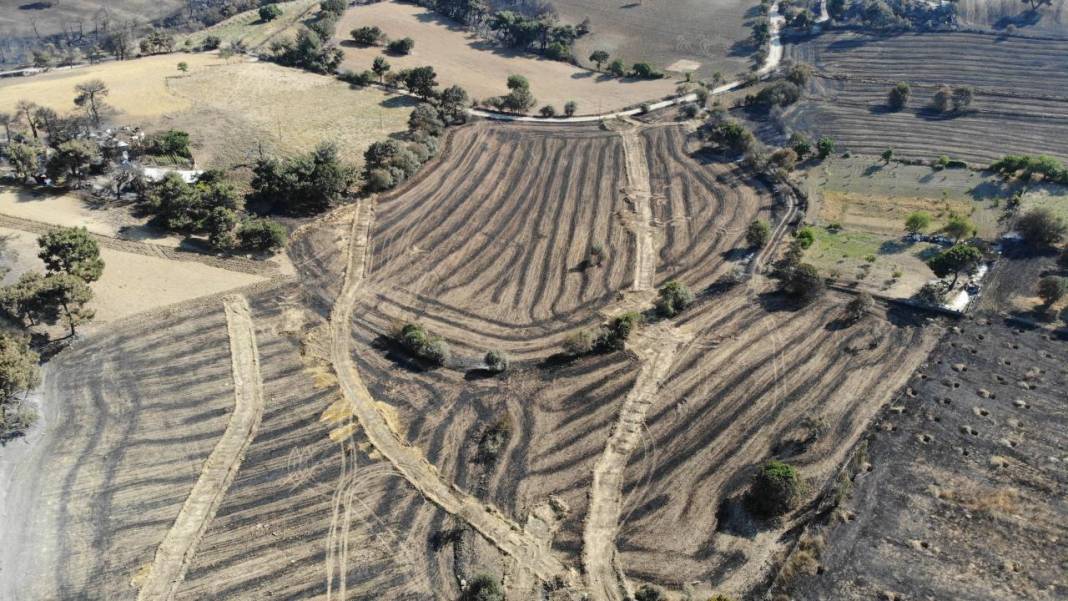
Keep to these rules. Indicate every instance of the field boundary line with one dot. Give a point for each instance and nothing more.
(410, 462)
(180, 543)
(640, 192)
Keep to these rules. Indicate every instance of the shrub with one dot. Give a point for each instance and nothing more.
(1041, 228)
(781, 93)
(379, 180)
(917, 222)
(824, 147)
(648, 592)
(858, 306)
(548, 111)
(776, 489)
(261, 234)
(212, 42)
(580, 343)
(401, 46)
(595, 255)
(932, 293)
(270, 12)
(333, 6)
(1051, 288)
(802, 281)
(674, 298)
(496, 361)
(493, 441)
(899, 95)
(805, 237)
(619, 330)
(420, 343)
(758, 233)
(570, 107)
(645, 71)
(361, 79)
(483, 587)
(172, 142)
(367, 36)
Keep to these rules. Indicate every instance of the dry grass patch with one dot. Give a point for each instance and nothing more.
(138, 88)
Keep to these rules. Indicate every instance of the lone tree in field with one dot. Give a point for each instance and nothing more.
(953, 261)
(888, 155)
(1051, 288)
(1037, 4)
(776, 489)
(483, 588)
(619, 330)
(72, 251)
(570, 107)
(955, 100)
(917, 221)
(674, 298)
(367, 36)
(90, 96)
(1041, 228)
(899, 95)
(617, 68)
(959, 227)
(402, 46)
(858, 307)
(758, 233)
(599, 57)
(422, 344)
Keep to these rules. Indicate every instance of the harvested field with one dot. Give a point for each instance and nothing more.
(689, 35)
(481, 67)
(1019, 105)
(959, 489)
(232, 111)
(758, 381)
(130, 415)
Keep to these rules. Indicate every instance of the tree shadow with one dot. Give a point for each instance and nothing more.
(893, 247)
(871, 170)
(480, 373)
(399, 356)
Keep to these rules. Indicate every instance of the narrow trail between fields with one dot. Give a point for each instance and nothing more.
(530, 553)
(656, 347)
(639, 193)
(180, 543)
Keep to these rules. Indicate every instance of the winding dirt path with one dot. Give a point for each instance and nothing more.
(180, 544)
(532, 555)
(639, 192)
(657, 347)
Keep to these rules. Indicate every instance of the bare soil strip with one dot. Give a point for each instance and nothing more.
(531, 555)
(639, 192)
(178, 547)
(657, 348)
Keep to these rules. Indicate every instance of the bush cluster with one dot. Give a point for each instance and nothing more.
(419, 342)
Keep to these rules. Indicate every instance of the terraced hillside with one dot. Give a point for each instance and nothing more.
(1019, 105)
(493, 244)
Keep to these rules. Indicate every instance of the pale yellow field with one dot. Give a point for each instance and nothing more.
(138, 88)
(481, 67)
(233, 110)
(132, 282)
(248, 28)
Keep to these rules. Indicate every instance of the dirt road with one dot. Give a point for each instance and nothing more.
(178, 547)
(657, 347)
(531, 554)
(639, 193)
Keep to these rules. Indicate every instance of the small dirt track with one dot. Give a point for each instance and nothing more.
(531, 554)
(657, 348)
(178, 546)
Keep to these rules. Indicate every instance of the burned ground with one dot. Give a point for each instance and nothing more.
(960, 488)
(1019, 105)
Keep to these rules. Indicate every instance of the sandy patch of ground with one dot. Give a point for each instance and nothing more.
(138, 88)
(133, 283)
(481, 67)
